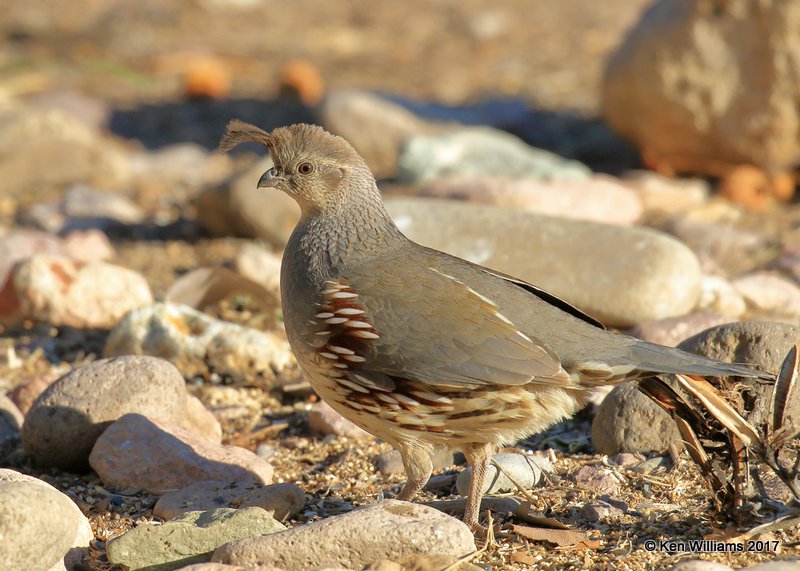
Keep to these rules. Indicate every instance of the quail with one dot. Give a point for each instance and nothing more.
(421, 348)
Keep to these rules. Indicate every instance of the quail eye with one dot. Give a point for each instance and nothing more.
(305, 168)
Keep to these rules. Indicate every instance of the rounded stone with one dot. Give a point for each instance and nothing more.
(41, 522)
(527, 471)
(587, 264)
(68, 417)
(279, 500)
(628, 421)
(385, 530)
(160, 456)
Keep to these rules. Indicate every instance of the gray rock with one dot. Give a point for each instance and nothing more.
(79, 547)
(197, 343)
(62, 291)
(376, 127)
(672, 330)
(693, 76)
(241, 209)
(720, 246)
(717, 295)
(11, 420)
(261, 265)
(157, 456)
(628, 421)
(385, 530)
(769, 296)
(280, 501)
(41, 522)
(762, 344)
(600, 198)
(191, 538)
(50, 148)
(585, 263)
(482, 151)
(84, 207)
(667, 195)
(527, 471)
(65, 421)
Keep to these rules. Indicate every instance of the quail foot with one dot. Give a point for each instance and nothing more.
(421, 348)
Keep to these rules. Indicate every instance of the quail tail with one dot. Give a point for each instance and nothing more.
(658, 359)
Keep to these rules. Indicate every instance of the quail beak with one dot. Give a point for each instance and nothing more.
(269, 179)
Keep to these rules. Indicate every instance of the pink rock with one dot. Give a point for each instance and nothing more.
(90, 245)
(599, 479)
(201, 420)
(20, 244)
(769, 294)
(60, 291)
(139, 452)
(323, 419)
(23, 395)
(601, 198)
(672, 330)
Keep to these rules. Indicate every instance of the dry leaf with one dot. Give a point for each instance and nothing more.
(206, 286)
(786, 399)
(526, 514)
(571, 538)
(719, 408)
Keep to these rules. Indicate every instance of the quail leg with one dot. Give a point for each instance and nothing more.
(478, 456)
(418, 466)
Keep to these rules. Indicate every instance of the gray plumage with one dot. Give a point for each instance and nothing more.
(420, 347)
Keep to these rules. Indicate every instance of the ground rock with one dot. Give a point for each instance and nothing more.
(191, 538)
(42, 522)
(768, 295)
(660, 276)
(197, 343)
(240, 209)
(672, 330)
(64, 292)
(482, 151)
(628, 421)
(279, 500)
(11, 419)
(65, 421)
(385, 530)
(73, 560)
(157, 456)
(376, 127)
(694, 76)
(324, 420)
(600, 198)
(527, 471)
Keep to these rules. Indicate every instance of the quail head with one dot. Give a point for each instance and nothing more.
(421, 348)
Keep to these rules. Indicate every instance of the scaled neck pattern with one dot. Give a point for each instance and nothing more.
(340, 237)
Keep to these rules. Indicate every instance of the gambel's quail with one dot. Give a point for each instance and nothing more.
(421, 348)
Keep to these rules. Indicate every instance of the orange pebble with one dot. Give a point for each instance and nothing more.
(207, 77)
(303, 78)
